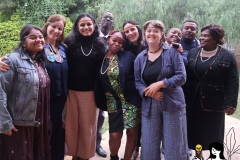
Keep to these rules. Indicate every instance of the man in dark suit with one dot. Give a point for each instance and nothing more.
(106, 24)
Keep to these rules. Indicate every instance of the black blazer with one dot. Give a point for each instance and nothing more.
(218, 88)
(127, 82)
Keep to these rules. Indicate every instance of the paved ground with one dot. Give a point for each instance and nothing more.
(229, 123)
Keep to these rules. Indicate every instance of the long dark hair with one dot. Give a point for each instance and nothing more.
(25, 31)
(75, 39)
(127, 45)
(219, 147)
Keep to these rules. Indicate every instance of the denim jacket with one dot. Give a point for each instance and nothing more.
(18, 92)
(218, 88)
(172, 74)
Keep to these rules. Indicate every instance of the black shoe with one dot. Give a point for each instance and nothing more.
(114, 157)
(100, 151)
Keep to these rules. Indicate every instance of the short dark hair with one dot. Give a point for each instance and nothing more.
(216, 31)
(140, 38)
(105, 13)
(189, 20)
(25, 31)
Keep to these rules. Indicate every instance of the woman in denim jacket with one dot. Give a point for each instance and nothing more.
(24, 102)
(57, 68)
(159, 74)
(211, 89)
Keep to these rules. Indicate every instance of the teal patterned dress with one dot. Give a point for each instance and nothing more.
(122, 115)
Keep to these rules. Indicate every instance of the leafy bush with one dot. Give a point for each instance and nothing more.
(10, 30)
(68, 26)
(9, 35)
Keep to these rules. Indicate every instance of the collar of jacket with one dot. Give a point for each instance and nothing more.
(24, 55)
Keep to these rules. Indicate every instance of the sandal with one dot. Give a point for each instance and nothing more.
(134, 155)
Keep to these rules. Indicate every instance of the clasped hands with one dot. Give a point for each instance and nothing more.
(153, 90)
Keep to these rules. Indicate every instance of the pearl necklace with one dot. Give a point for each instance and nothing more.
(208, 52)
(88, 53)
(101, 71)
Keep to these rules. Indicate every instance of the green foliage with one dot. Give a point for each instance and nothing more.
(81, 6)
(9, 35)
(7, 7)
(68, 26)
(37, 11)
(173, 13)
(10, 30)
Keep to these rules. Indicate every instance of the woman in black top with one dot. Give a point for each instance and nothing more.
(211, 89)
(133, 43)
(85, 52)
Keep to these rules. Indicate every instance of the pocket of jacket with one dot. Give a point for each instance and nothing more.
(23, 74)
(224, 64)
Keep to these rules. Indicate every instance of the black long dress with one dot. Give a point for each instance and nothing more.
(204, 127)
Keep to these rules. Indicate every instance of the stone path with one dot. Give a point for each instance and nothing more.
(230, 122)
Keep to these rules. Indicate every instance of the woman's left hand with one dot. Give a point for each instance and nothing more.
(229, 111)
(153, 88)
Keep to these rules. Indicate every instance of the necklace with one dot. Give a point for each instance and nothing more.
(155, 51)
(108, 65)
(88, 53)
(212, 52)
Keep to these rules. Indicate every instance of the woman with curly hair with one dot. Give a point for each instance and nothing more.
(211, 89)
(85, 52)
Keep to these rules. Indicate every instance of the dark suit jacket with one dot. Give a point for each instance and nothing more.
(218, 88)
(126, 74)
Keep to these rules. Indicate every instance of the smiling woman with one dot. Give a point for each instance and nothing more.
(159, 74)
(57, 67)
(116, 93)
(24, 106)
(211, 89)
(85, 52)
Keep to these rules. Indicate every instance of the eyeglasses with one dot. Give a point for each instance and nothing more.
(109, 17)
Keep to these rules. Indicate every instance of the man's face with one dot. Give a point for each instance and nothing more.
(107, 20)
(189, 31)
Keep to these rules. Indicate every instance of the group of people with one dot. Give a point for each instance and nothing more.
(168, 88)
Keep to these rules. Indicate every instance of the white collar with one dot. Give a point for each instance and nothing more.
(102, 35)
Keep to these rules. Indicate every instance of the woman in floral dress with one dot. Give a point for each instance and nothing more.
(117, 92)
